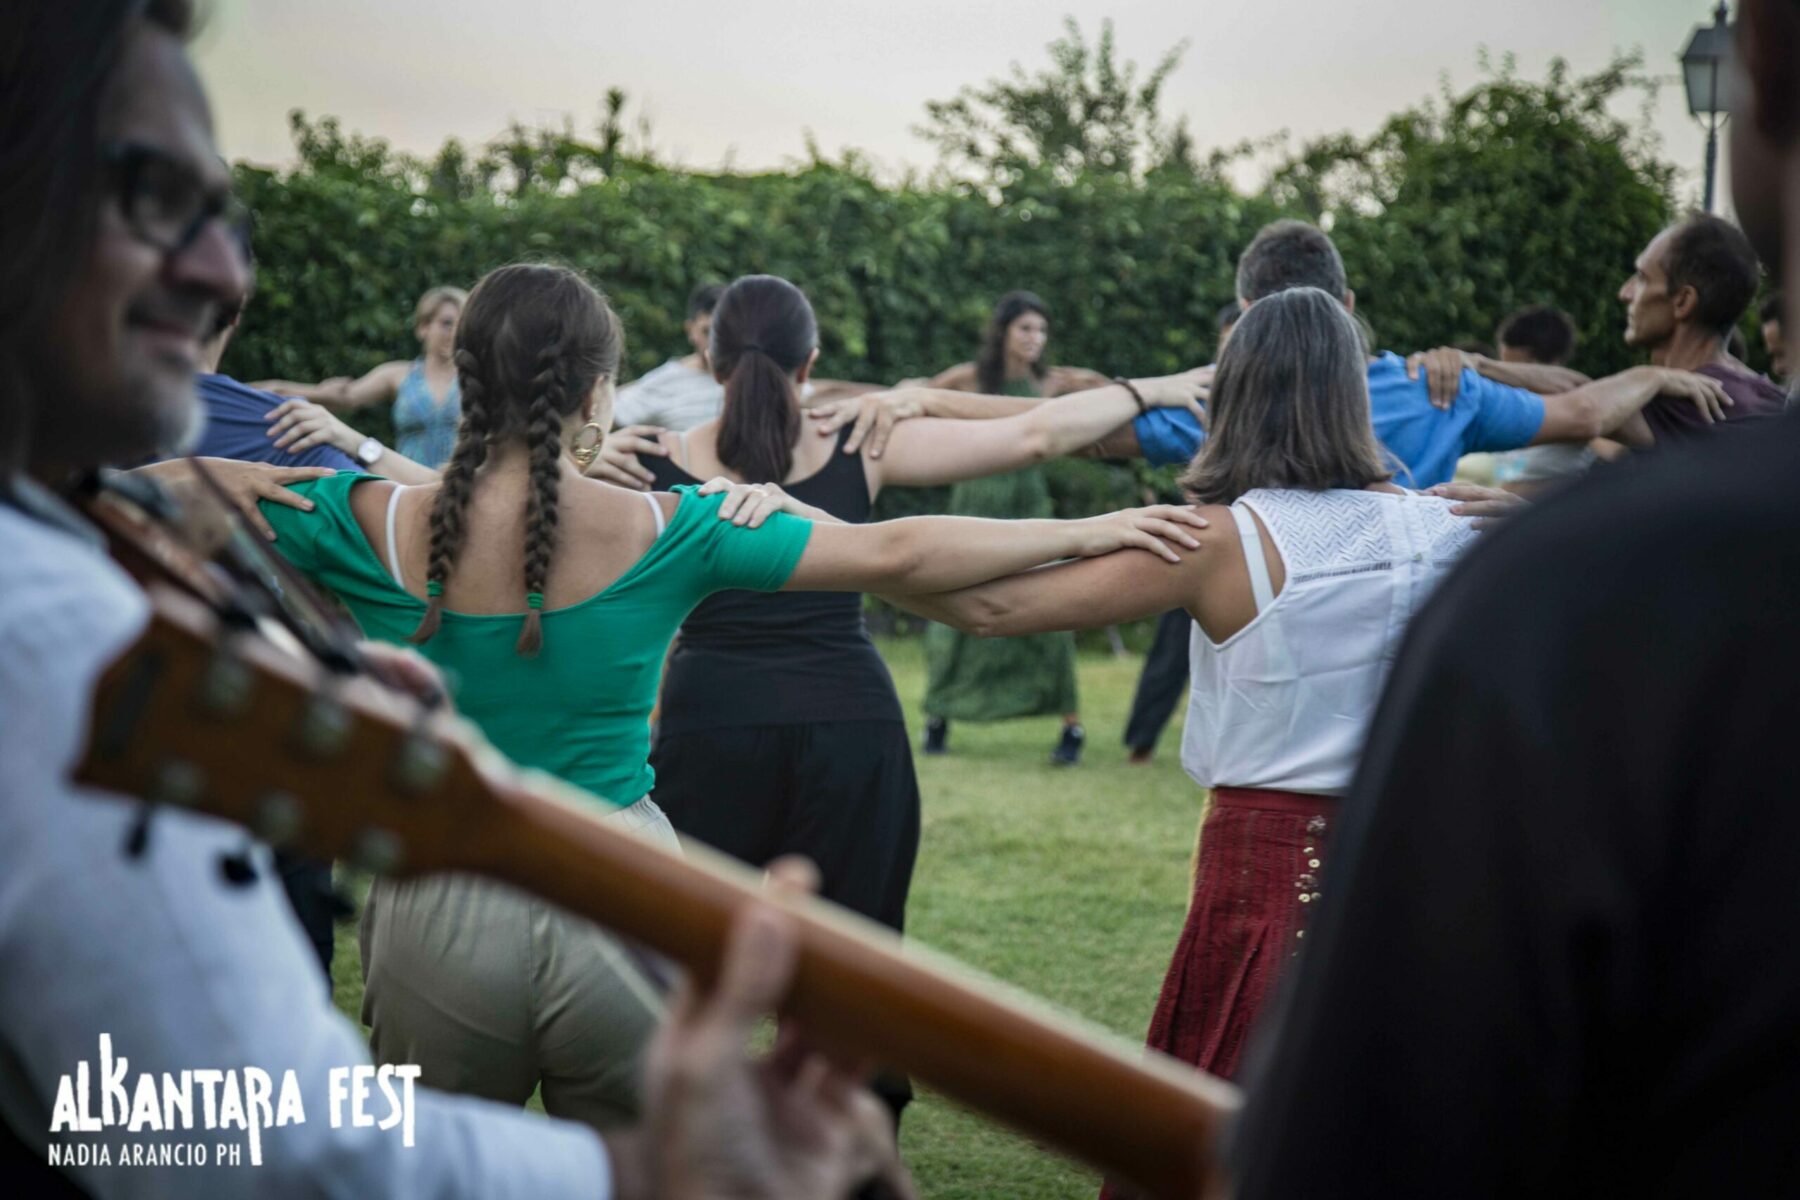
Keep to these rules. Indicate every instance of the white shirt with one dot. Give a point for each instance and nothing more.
(674, 396)
(183, 971)
(1285, 702)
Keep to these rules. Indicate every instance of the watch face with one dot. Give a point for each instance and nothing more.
(369, 452)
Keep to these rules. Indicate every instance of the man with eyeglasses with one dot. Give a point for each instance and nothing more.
(116, 253)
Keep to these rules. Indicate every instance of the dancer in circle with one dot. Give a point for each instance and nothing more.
(973, 680)
(552, 598)
(427, 400)
(817, 762)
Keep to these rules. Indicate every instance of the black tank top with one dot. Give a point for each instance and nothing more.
(783, 658)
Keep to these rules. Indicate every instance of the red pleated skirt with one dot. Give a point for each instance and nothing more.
(1256, 881)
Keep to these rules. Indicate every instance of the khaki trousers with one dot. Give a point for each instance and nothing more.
(493, 992)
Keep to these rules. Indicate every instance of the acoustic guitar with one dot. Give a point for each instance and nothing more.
(205, 712)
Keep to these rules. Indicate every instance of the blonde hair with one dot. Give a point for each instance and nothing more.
(435, 299)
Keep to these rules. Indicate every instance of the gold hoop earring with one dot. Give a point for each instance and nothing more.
(584, 455)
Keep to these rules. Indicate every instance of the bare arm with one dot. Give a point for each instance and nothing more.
(297, 425)
(941, 554)
(1077, 595)
(1543, 378)
(378, 386)
(928, 452)
(960, 378)
(1606, 407)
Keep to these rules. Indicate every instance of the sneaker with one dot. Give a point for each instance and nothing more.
(1068, 750)
(937, 736)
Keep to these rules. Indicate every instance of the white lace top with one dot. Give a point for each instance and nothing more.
(1285, 702)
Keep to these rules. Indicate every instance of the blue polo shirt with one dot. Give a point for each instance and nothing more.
(237, 426)
(1486, 416)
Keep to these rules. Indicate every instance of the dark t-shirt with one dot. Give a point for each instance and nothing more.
(1754, 397)
(783, 658)
(1557, 951)
(237, 427)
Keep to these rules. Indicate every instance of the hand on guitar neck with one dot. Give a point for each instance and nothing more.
(717, 1123)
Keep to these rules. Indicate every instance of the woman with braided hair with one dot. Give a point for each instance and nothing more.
(552, 598)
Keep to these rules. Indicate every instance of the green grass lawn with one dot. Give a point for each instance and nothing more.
(1069, 883)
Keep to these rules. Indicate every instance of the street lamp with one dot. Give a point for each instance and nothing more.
(1702, 64)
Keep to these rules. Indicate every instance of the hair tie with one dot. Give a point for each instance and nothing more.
(534, 599)
(435, 588)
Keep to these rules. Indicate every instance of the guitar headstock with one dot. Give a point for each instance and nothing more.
(198, 716)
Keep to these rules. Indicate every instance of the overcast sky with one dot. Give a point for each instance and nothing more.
(739, 82)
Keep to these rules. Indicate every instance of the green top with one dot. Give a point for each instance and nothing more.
(581, 708)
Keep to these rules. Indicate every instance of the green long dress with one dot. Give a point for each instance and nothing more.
(991, 679)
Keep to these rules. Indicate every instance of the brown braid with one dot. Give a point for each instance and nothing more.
(449, 510)
(531, 346)
(543, 434)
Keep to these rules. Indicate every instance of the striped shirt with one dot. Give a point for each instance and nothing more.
(674, 396)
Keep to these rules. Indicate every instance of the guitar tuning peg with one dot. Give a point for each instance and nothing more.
(376, 851)
(324, 726)
(277, 817)
(225, 685)
(421, 762)
(178, 783)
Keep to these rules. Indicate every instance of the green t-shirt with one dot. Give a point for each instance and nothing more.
(581, 708)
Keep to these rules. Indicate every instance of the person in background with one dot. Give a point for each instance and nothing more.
(1683, 299)
(1428, 411)
(1545, 335)
(968, 679)
(1768, 316)
(116, 259)
(427, 403)
(682, 392)
(1546, 942)
(1165, 670)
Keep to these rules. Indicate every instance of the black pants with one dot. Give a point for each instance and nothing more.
(1159, 687)
(308, 887)
(843, 793)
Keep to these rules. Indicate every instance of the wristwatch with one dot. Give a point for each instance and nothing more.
(370, 451)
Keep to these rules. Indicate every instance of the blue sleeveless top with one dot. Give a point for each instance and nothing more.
(424, 430)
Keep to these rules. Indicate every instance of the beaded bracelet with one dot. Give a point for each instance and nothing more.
(1135, 394)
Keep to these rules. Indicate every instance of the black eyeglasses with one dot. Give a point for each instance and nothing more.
(166, 202)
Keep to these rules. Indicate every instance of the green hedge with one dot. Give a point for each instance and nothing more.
(1454, 213)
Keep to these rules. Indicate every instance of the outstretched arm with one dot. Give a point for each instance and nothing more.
(378, 386)
(1076, 595)
(1610, 407)
(928, 452)
(941, 554)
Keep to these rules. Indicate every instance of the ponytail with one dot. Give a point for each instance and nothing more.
(763, 334)
(761, 420)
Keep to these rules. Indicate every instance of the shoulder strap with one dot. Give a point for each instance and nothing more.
(1251, 537)
(392, 548)
(656, 510)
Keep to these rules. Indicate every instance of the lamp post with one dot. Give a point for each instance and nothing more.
(1702, 64)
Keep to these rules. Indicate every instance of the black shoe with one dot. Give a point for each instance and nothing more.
(937, 736)
(1068, 750)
